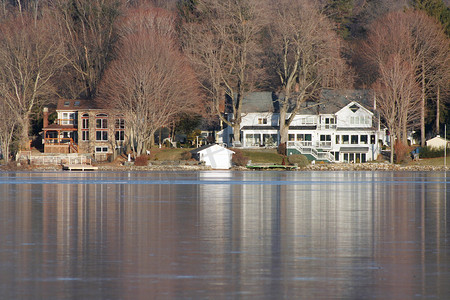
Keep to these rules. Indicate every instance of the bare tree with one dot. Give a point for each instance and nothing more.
(8, 124)
(151, 83)
(397, 97)
(30, 56)
(432, 58)
(419, 41)
(89, 31)
(223, 46)
(397, 52)
(305, 53)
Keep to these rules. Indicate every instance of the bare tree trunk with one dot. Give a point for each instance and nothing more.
(237, 131)
(392, 149)
(283, 128)
(422, 109)
(24, 140)
(438, 109)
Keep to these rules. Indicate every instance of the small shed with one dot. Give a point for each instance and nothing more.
(213, 155)
(436, 142)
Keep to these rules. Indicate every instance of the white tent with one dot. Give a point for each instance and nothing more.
(215, 156)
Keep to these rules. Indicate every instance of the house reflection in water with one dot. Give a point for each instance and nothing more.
(131, 235)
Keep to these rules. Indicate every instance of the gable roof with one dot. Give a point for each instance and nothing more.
(259, 102)
(77, 104)
(204, 147)
(330, 102)
(355, 106)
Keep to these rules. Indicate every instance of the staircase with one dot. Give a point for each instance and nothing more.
(310, 151)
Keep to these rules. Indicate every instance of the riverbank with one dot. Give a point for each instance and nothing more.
(183, 167)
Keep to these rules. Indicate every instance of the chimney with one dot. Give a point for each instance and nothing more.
(45, 117)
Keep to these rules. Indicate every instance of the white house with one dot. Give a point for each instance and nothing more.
(215, 156)
(340, 127)
(437, 142)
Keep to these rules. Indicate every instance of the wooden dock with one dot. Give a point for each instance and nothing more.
(79, 167)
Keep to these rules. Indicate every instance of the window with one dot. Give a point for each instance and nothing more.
(262, 121)
(120, 135)
(66, 103)
(101, 135)
(354, 139)
(372, 139)
(345, 139)
(77, 103)
(363, 139)
(307, 121)
(101, 149)
(338, 139)
(85, 135)
(101, 123)
(329, 123)
(354, 108)
(304, 137)
(270, 139)
(84, 123)
(120, 124)
(291, 137)
(68, 118)
(325, 138)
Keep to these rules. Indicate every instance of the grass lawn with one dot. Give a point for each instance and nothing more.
(258, 156)
(167, 153)
(264, 156)
(439, 161)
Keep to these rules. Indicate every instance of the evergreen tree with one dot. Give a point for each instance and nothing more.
(436, 9)
(341, 11)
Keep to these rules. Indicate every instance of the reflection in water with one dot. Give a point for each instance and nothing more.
(224, 234)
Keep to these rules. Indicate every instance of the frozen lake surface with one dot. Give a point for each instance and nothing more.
(224, 235)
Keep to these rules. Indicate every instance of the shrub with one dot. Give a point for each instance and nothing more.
(186, 155)
(141, 160)
(402, 152)
(429, 152)
(281, 149)
(238, 158)
(299, 159)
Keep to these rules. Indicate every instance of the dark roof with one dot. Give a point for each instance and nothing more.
(79, 104)
(314, 127)
(196, 151)
(331, 101)
(259, 102)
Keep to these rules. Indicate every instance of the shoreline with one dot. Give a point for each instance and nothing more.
(317, 167)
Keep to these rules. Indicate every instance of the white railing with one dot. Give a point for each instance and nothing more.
(58, 160)
(300, 147)
(323, 144)
(327, 126)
